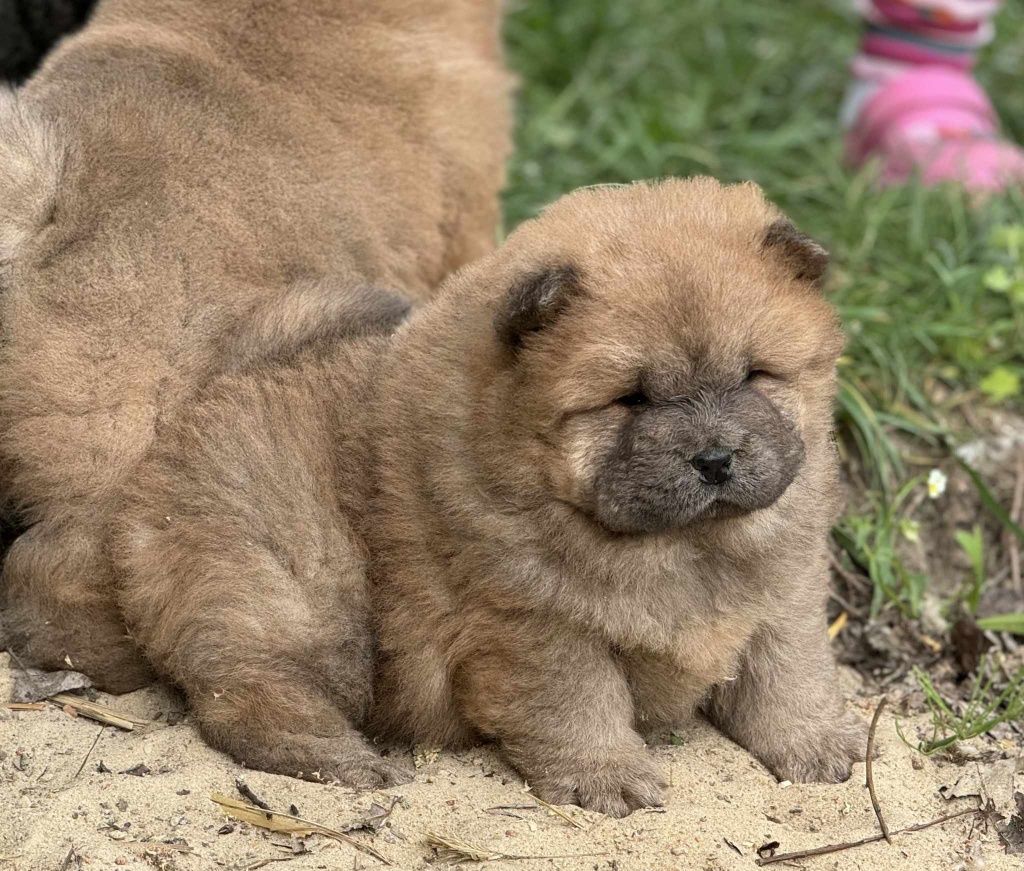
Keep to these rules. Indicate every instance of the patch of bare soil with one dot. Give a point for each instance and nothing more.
(79, 795)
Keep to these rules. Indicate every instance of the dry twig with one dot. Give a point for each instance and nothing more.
(852, 580)
(262, 863)
(98, 712)
(869, 755)
(72, 856)
(246, 792)
(849, 845)
(92, 747)
(555, 810)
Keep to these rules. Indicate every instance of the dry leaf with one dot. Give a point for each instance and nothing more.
(1011, 833)
(34, 685)
(138, 770)
(275, 821)
(373, 822)
(838, 625)
(452, 848)
(993, 782)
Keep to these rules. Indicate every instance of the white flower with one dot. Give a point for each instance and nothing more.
(937, 481)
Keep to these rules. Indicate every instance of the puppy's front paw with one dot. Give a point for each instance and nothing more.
(825, 756)
(615, 786)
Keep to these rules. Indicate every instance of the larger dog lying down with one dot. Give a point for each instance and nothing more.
(187, 186)
(583, 492)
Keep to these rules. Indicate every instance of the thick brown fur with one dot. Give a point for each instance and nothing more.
(189, 186)
(506, 488)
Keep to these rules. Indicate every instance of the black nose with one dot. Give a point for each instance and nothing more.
(713, 465)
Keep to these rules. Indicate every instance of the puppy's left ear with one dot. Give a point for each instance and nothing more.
(805, 258)
(535, 301)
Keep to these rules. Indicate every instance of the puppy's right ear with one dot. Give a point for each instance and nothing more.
(535, 301)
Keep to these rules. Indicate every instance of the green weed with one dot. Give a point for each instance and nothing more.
(871, 540)
(973, 545)
(987, 707)
(1013, 623)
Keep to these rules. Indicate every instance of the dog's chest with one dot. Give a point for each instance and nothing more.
(678, 624)
(668, 684)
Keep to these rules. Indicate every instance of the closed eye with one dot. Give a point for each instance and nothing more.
(635, 399)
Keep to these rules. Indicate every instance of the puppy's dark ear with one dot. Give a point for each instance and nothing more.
(807, 260)
(534, 302)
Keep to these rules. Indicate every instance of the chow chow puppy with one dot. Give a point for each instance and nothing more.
(182, 182)
(580, 495)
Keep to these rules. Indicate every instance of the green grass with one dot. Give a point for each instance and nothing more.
(990, 703)
(931, 290)
(872, 540)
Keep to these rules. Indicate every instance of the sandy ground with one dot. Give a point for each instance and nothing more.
(58, 813)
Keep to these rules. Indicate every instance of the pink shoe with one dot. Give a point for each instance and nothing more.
(936, 122)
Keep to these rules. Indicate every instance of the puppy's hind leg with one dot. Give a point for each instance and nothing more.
(277, 675)
(58, 610)
(286, 725)
(244, 583)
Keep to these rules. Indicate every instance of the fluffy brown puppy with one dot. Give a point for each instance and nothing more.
(581, 494)
(187, 186)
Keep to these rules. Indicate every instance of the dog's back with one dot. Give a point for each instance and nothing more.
(167, 170)
(381, 123)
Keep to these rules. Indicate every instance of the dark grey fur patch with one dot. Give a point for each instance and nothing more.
(310, 318)
(535, 301)
(807, 259)
(648, 482)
